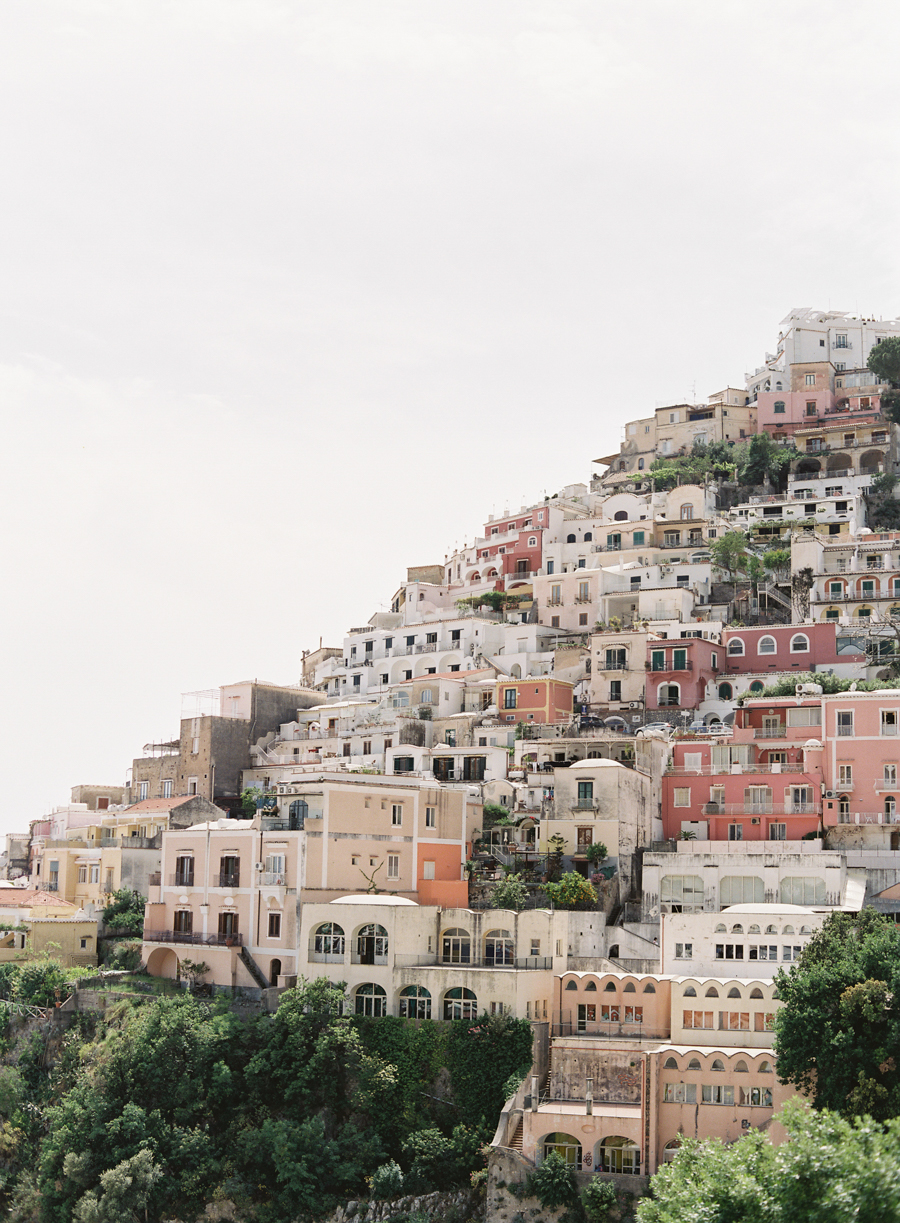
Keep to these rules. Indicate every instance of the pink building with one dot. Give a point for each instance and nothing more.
(764, 784)
(679, 671)
(861, 733)
(784, 648)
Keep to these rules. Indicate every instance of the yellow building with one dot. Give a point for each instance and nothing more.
(46, 925)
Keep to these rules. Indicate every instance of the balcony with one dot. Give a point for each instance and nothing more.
(272, 879)
(181, 879)
(771, 732)
(197, 940)
(761, 808)
(229, 879)
(431, 960)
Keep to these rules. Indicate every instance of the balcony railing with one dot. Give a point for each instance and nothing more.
(770, 732)
(431, 960)
(181, 879)
(229, 879)
(761, 808)
(198, 940)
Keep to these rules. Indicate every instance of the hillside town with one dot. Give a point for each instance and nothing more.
(606, 767)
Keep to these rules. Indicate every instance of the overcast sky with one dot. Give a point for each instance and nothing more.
(295, 294)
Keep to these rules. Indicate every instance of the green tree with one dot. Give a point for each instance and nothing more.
(573, 891)
(249, 799)
(124, 1192)
(764, 461)
(729, 553)
(596, 853)
(125, 911)
(831, 1171)
(598, 1198)
(884, 361)
(509, 893)
(837, 1035)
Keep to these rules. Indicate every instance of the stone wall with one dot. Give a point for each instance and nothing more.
(454, 1207)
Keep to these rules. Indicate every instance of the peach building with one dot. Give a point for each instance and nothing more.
(234, 888)
(535, 699)
(638, 1062)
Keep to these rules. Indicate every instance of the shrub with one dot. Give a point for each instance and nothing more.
(387, 1181)
(598, 1199)
(510, 893)
(572, 892)
(553, 1183)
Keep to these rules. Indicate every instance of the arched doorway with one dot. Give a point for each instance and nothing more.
(162, 962)
(274, 971)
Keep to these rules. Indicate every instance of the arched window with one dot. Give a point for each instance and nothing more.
(570, 539)
(694, 1064)
(460, 1003)
(721, 929)
(687, 512)
(415, 1002)
(400, 700)
(718, 1065)
(712, 992)
(588, 536)
(806, 929)
(726, 692)
(738, 929)
(756, 686)
(771, 929)
(426, 697)
(564, 1145)
(620, 1155)
(371, 945)
(741, 889)
(788, 930)
(328, 943)
(532, 541)
(629, 988)
(371, 1000)
(802, 891)
(571, 985)
(670, 1064)
(778, 407)
(754, 929)
(591, 987)
(609, 988)
(766, 645)
(297, 814)
(620, 516)
(690, 992)
(735, 646)
(498, 948)
(765, 1067)
(756, 992)
(671, 1149)
(800, 644)
(649, 988)
(456, 947)
(741, 1067)
(734, 992)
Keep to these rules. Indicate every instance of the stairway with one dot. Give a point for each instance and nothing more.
(516, 1143)
(254, 969)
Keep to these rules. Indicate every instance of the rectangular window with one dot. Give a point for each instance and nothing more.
(729, 951)
(82, 874)
(682, 796)
(680, 1093)
(430, 817)
(585, 793)
(183, 921)
(889, 722)
(509, 698)
(143, 790)
(393, 866)
(764, 1022)
(845, 774)
(615, 690)
(427, 870)
(791, 953)
(610, 1014)
(735, 832)
(845, 723)
(167, 788)
(671, 539)
(684, 951)
(274, 925)
(639, 537)
(634, 1014)
(657, 660)
(810, 380)
(95, 874)
(396, 815)
(679, 660)
(555, 595)
(584, 592)
(734, 1021)
(890, 774)
(614, 541)
(717, 1093)
(697, 1019)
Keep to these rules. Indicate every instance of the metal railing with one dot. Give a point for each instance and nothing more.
(181, 879)
(761, 808)
(197, 940)
(229, 879)
(770, 732)
(523, 963)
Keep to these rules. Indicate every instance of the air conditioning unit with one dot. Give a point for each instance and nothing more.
(634, 704)
(259, 866)
(755, 820)
(830, 794)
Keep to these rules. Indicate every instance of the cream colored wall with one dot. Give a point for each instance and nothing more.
(719, 1003)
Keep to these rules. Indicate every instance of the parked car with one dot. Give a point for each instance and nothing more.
(719, 728)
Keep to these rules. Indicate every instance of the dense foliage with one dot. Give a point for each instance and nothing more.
(125, 912)
(152, 1110)
(884, 360)
(831, 1171)
(838, 1032)
(758, 461)
(572, 891)
(828, 683)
